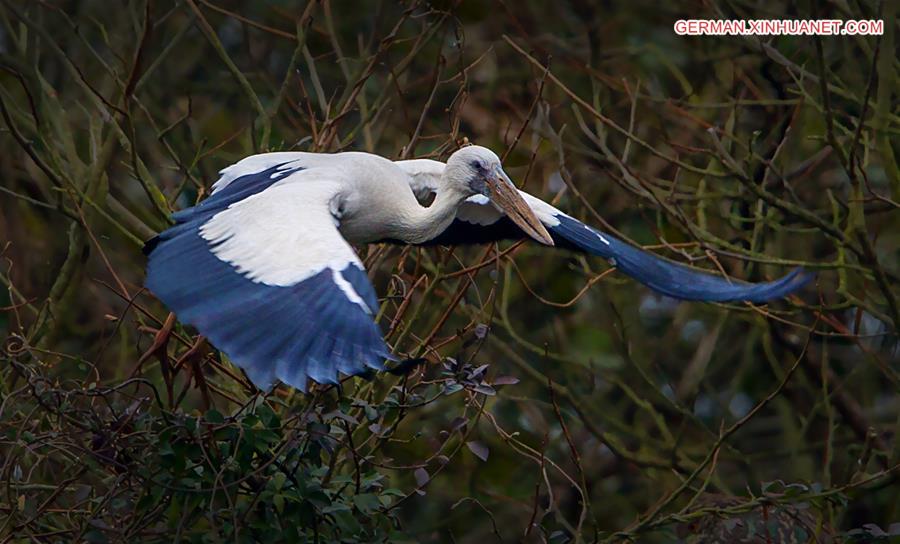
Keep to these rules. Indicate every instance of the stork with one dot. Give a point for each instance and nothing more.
(264, 268)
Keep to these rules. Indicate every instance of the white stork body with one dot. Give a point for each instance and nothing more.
(264, 269)
(369, 194)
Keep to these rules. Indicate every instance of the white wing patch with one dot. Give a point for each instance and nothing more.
(548, 215)
(283, 235)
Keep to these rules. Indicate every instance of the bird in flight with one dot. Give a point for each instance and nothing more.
(264, 268)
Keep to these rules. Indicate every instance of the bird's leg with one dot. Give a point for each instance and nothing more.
(159, 348)
(193, 357)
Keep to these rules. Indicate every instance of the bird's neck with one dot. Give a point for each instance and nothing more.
(427, 223)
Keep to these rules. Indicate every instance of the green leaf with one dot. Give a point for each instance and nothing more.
(213, 416)
(278, 501)
(278, 480)
(451, 388)
(336, 507)
(367, 502)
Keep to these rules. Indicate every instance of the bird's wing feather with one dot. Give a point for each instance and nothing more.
(261, 270)
(478, 222)
(424, 177)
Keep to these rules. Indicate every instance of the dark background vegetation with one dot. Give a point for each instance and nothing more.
(562, 401)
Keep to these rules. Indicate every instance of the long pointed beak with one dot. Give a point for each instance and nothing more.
(505, 195)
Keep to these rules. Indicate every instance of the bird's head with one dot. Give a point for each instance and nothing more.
(476, 170)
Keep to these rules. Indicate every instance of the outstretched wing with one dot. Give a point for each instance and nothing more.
(261, 270)
(478, 221)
